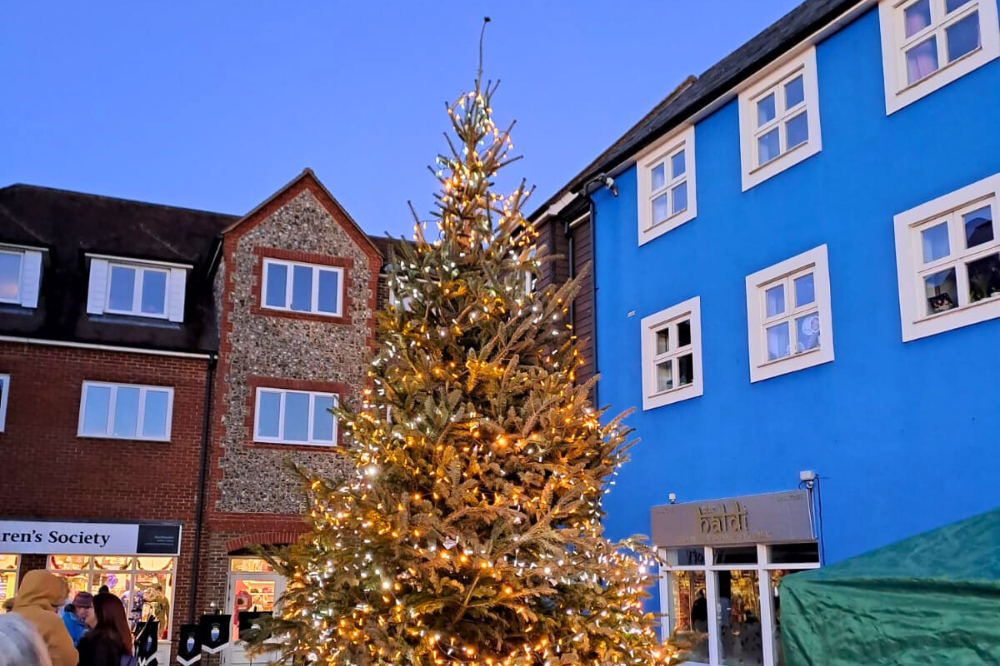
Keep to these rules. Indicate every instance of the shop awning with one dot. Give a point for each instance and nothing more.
(931, 599)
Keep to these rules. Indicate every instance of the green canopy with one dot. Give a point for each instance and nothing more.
(933, 599)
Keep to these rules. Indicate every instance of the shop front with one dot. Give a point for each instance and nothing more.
(724, 560)
(136, 561)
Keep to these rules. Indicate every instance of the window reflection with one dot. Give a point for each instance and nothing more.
(984, 278)
(963, 37)
(942, 291)
(777, 341)
(10, 276)
(797, 130)
(689, 605)
(738, 612)
(978, 227)
(921, 60)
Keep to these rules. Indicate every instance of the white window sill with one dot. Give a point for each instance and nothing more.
(144, 315)
(934, 82)
(671, 396)
(669, 224)
(967, 315)
(284, 442)
(82, 435)
(314, 313)
(793, 363)
(786, 160)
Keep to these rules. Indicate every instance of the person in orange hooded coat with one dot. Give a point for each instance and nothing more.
(38, 601)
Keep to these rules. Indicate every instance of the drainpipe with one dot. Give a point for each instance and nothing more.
(571, 260)
(202, 473)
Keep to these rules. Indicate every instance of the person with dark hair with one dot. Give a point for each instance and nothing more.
(109, 643)
(103, 589)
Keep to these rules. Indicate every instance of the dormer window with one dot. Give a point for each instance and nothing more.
(20, 275)
(136, 288)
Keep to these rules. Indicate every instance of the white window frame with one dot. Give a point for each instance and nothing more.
(314, 303)
(29, 275)
(910, 267)
(815, 261)
(140, 275)
(5, 388)
(773, 81)
(661, 153)
(311, 441)
(763, 567)
(689, 310)
(899, 93)
(114, 386)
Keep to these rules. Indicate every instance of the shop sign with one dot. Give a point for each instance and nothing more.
(769, 518)
(51, 538)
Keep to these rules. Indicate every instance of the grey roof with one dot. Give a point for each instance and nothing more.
(70, 225)
(695, 94)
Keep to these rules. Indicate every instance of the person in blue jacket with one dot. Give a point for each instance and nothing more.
(78, 616)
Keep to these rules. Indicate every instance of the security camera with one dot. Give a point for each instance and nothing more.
(673, 498)
(807, 475)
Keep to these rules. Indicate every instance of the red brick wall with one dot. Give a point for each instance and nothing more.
(232, 535)
(50, 473)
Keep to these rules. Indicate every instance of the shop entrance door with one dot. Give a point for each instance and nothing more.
(250, 592)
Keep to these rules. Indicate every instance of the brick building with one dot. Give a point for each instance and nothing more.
(159, 369)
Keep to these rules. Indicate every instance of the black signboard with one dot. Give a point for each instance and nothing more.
(146, 643)
(189, 646)
(214, 632)
(159, 540)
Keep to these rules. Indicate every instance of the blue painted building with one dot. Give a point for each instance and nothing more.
(798, 269)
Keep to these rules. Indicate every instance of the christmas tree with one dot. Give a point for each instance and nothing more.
(470, 529)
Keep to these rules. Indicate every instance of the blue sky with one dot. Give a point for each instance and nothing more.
(215, 105)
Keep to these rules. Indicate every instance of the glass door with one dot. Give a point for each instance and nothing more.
(250, 591)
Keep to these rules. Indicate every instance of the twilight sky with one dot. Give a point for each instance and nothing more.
(216, 105)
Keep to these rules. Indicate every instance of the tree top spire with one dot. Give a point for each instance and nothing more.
(482, 34)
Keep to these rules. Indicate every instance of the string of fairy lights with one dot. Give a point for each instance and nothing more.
(470, 529)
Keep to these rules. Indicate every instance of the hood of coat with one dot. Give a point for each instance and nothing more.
(41, 589)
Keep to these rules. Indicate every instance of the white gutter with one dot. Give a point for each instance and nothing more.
(112, 348)
(555, 208)
(151, 262)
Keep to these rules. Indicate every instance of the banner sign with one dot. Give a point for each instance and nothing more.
(770, 518)
(213, 631)
(189, 646)
(146, 643)
(51, 538)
